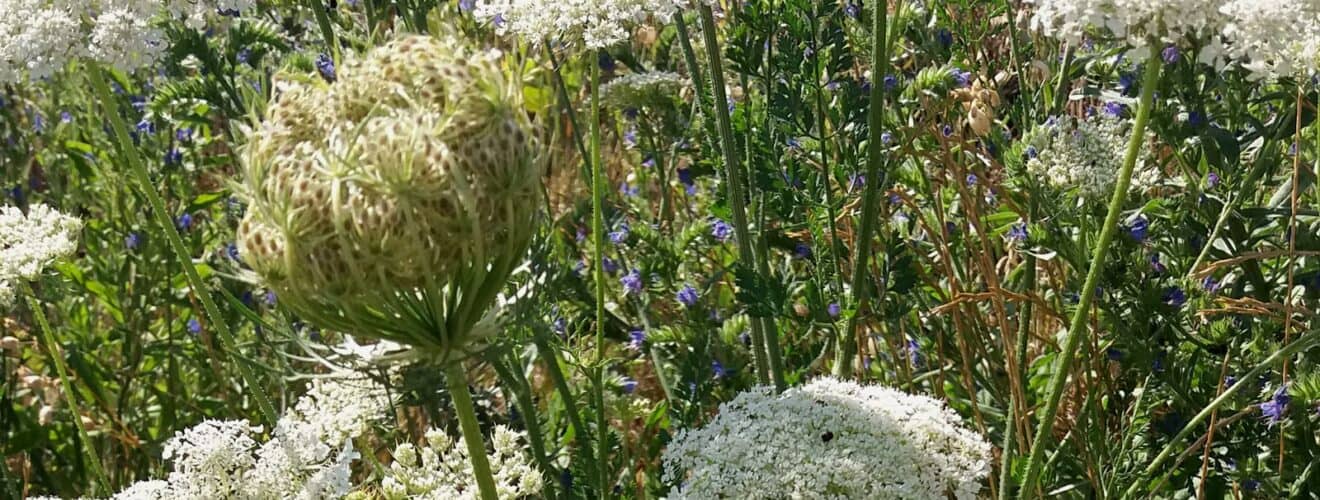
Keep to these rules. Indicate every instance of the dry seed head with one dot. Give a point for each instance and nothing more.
(416, 166)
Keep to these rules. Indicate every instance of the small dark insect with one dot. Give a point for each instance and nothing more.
(827, 437)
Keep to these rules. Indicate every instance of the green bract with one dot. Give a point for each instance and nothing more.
(394, 202)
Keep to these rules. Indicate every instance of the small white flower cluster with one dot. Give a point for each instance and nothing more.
(1274, 38)
(637, 90)
(309, 456)
(38, 38)
(595, 23)
(1085, 154)
(442, 471)
(29, 243)
(1138, 21)
(829, 439)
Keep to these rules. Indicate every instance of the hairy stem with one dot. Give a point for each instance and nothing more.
(1077, 328)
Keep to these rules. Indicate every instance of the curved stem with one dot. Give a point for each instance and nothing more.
(736, 182)
(57, 358)
(456, 380)
(843, 365)
(138, 172)
(1077, 328)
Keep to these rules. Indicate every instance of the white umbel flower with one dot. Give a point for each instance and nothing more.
(1084, 154)
(637, 90)
(829, 439)
(441, 470)
(1274, 38)
(31, 242)
(1137, 21)
(594, 23)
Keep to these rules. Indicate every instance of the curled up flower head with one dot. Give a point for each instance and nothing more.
(395, 201)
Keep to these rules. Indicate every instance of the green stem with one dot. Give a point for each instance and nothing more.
(1077, 328)
(1061, 89)
(327, 29)
(1306, 341)
(694, 72)
(843, 365)
(456, 379)
(735, 181)
(566, 105)
(598, 237)
(57, 358)
(138, 172)
(1020, 348)
(602, 434)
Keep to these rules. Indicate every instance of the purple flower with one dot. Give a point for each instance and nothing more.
(945, 37)
(185, 222)
(1210, 285)
(1211, 180)
(856, 181)
(270, 297)
(720, 230)
(1174, 296)
(802, 251)
(947, 131)
(718, 368)
(971, 180)
(963, 78)
(231, 250)
(66, 117)
(886, 138)
(1032, 153)
(1018, 231)
(636, 339)
(1195, 118)
(1277, 407)
(183, 135)
(630, 138)
(627, 190)
(1138, 229)
(1171, 54)
(605, 61)
(629, 385)
(132, 241)
(891, 82)
(609, 265)
(173, 157)
(649, 162)
(194, 327)
(146, 127)
(852, 10)
(1155, 264)
(1114, 108)
(620, 235)
(1125, 82)
(688, 296)
(466, 5)
(833, 309)
(914, 352)
(632, 282)
(326, 67)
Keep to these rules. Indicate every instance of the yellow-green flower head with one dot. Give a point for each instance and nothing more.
(394, 202)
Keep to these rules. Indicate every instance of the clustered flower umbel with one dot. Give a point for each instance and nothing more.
(309, 456)
(442, 471)
(1084, 154)
(638, 90)
(1270, 38)
(31, 242)
(38, 38)
(593, 23)
(829, 439)
(394, 202)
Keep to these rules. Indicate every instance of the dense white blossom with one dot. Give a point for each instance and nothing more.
(829, 439)
(1274, 38)
(594, 23)
(1137, 21)
(1084, 154)
(38, 38)
(309, 456)
(31, 242)
(441, 470)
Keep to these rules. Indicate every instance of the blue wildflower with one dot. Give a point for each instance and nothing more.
(1276, 408)
(1171, 54)
(609, 265)
(721, 230)
(1174, 296)
(1138, 229)
(636, 339)
(802, 251)
(688, 296)
(718, 369)
(194, 327)
(326, 67)
(1211, 180)
(605, 61)
(620, 234)
(945, 37)
(173, 157)
(185, 222)
(629, 385)
(632, 282)
(1018, 231)
(132, 241)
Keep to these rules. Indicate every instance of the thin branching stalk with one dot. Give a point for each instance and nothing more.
(1292, 256)
(735, 180)
(456, 380)
(598, 240)
(1077, 328)
(843, 365)
(138, 172)
(57, 359)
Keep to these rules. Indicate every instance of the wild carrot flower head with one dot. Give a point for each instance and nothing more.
(1084, 154)
(829, 439)
(31, 242)
(394, 202)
